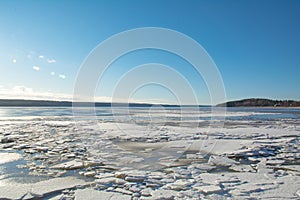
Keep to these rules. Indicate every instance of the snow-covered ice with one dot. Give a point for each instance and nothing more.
(151, 154)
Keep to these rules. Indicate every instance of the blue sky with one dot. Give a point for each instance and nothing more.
(255, 45)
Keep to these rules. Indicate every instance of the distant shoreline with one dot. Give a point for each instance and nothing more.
(245, 103)
(49, 103)
(258, 102)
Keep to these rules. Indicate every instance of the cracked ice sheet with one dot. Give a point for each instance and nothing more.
(9, 157)
(89, 194)
(39, 189)
(255, 185)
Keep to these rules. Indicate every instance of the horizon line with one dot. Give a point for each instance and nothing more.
(71, 103)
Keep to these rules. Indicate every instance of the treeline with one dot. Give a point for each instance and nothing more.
(29, 103)
(261, 103)
(240, 103)
(45, 103)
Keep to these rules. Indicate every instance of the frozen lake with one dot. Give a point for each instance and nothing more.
(149, 153)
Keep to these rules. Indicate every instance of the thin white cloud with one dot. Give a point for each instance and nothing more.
(22, 89)
(51, 61)
(41, 56)
(23, 92)
(14, 60)
(62, 76)
(36, 68)
(52, 73)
